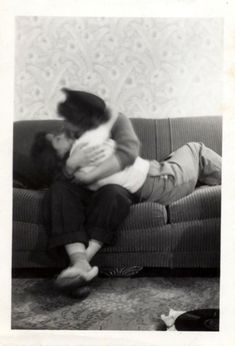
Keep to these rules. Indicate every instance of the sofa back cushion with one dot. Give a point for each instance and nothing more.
(159, 137)
(162, 136)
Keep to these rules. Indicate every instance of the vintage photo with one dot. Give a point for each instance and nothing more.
(117, 161)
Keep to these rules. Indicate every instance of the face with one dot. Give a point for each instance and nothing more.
(60, 142)
(71, 130)
(70, 127)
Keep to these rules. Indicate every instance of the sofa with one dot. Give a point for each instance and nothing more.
(184, 234)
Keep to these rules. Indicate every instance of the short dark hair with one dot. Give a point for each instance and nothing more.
(85, 110)
(46, 158)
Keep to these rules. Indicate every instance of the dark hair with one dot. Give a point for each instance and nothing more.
(86, 111)
(45, 157)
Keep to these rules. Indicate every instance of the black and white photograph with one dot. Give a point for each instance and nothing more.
(145, 195)
(117, 163)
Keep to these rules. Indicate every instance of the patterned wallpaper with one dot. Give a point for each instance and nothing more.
(148, 67)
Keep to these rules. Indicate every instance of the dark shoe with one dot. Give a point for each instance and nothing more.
(81, 292)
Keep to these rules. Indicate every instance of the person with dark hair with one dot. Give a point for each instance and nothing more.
(140, 180)
(86, 110)
(44, 154)
(79, 220)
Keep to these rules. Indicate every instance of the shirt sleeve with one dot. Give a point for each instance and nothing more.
(127, 142)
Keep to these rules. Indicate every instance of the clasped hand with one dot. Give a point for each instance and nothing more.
(87, 155)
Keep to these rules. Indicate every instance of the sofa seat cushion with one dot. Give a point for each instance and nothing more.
(145, 215)
(28, 207)
(203, 203)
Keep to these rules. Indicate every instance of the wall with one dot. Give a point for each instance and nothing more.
(149, 67)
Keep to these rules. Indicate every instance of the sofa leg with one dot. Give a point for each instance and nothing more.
(120, 272)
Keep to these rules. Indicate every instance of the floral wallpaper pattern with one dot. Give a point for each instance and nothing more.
(147, 67)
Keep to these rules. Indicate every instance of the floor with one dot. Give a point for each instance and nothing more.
(116, 303)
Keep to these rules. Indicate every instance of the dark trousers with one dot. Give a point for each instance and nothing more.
(76, 214)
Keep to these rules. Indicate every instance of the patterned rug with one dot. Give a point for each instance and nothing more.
(114, 304)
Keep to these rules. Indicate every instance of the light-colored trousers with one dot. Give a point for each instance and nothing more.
(178, 175)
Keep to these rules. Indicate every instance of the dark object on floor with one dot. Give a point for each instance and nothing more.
(160, 325)
(204, 320)
(81, 292)
(72, 291)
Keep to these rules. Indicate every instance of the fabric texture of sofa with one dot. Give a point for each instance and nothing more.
(185, 234)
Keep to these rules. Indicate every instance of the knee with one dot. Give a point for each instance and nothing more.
(115, 199)
(110, 190)
(195, 144)
(114, 193)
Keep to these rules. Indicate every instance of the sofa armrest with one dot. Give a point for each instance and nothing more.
(28, 205)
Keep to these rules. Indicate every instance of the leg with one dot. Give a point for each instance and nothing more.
(80, 272)
(173, 178)
(93, 247)
(210, 166)
(177, 177)
(67, 203)
(67, 217)
(108, 208)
